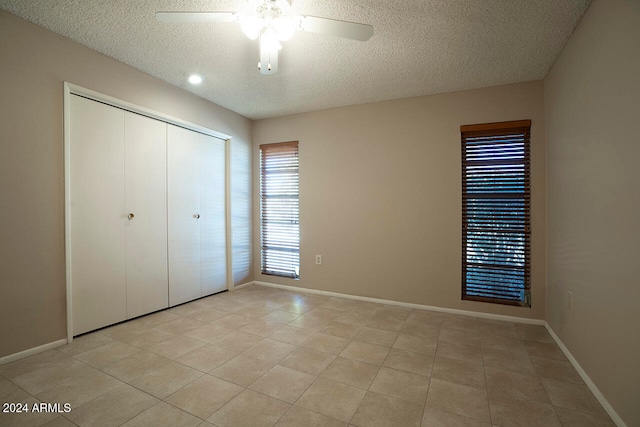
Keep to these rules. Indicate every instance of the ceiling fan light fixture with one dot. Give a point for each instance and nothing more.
(284, 27)
(269, 47)
(252, 26)
(269, 40)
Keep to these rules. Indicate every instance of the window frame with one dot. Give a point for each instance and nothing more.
(275, 235)
(496, 273)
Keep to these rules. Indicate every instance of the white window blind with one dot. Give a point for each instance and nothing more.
(279, 209)
(496, 212)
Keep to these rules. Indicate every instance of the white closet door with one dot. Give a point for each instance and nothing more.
(212, 223)
(146, 205)
(97, 215)
(183, 191)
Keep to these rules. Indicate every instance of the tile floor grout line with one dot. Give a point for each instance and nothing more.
(486, 386)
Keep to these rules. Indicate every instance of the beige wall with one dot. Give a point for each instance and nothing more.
(380, 194)
(592, 114)
(33, 65)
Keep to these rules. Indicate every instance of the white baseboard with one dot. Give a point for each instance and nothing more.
(587, 380)
(407, 304)
(244, 285)
(31, 351)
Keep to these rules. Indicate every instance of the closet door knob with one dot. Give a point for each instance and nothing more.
(197, 216)
(131, 216)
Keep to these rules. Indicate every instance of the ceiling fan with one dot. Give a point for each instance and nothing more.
(271, 22)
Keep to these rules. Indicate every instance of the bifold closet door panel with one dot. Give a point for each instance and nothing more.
(213, 220)
(183, 192)
(97, 214)
(146, 209)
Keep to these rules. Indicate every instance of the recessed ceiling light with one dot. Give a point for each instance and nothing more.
(195, 79)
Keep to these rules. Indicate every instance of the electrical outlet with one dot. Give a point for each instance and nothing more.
(318, 259)
(570, 300)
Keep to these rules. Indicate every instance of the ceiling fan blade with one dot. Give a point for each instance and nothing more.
(182, 17)
(348, 30)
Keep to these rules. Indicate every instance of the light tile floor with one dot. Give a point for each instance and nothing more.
(262, 357)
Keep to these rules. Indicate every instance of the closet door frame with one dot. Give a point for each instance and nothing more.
(68, 90)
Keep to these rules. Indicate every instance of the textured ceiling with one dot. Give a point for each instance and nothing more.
(419, 47)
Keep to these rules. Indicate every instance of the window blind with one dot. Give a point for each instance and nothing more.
(279, 209)
(496, 204)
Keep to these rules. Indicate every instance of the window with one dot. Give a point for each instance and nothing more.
(279, 209)
(496, 213)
